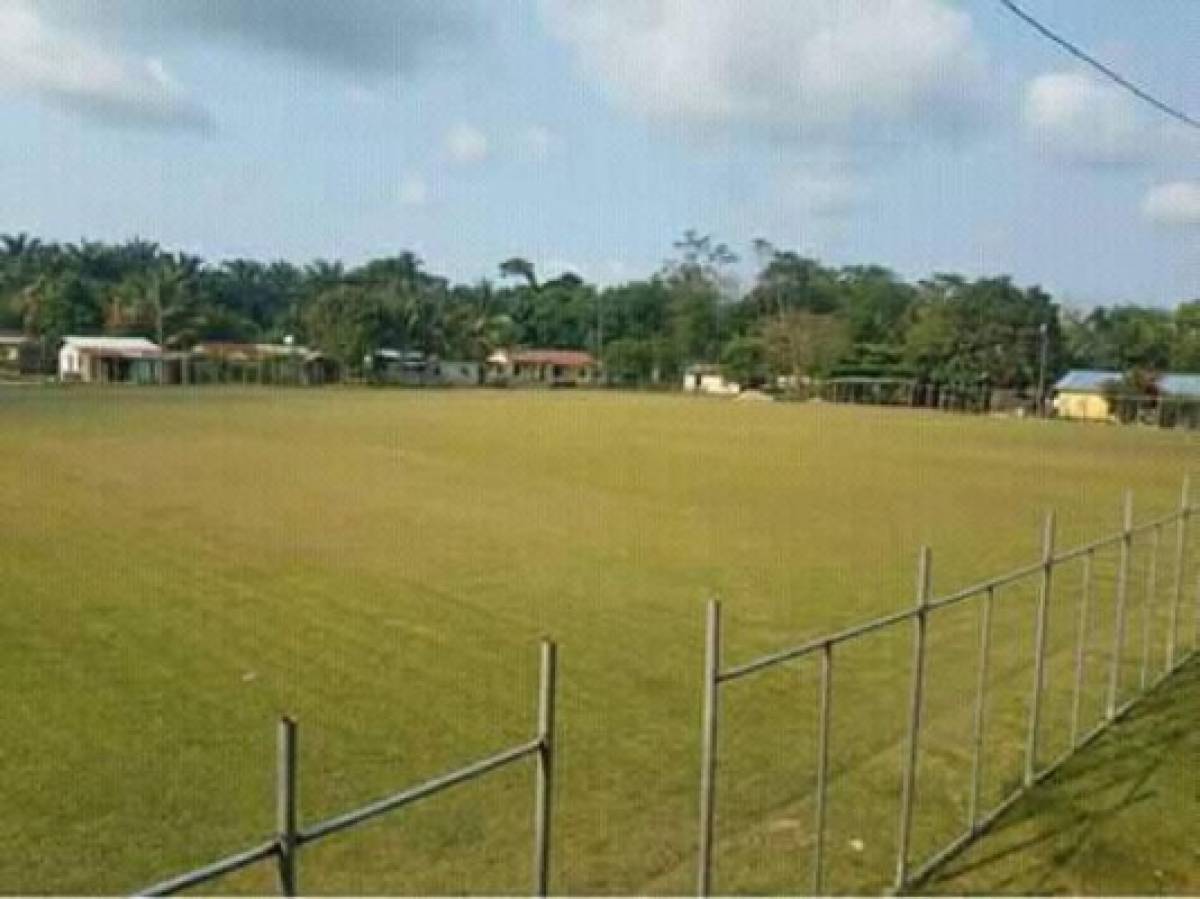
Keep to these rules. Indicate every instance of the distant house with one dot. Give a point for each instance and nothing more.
(1182, 387)
(276, 363)
(707, 378)
(109, 360)
(391, 366)
(18, 354)
(1079, 394)
(555, 368)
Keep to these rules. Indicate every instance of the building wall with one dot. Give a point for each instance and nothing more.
(710, 383)
(1083, 406)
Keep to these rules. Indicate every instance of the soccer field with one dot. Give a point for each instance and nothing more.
(177, 568)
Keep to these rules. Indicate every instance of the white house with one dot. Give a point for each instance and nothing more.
(109, 360)
(707, 378)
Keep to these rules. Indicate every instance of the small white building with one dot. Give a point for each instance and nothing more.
(109, 360)
(707, 378)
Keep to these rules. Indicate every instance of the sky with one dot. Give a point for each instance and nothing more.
(924, 135)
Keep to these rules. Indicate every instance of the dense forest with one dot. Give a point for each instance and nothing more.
(797, 318)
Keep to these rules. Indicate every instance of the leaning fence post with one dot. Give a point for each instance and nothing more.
(1039, 662)
(708, 749)
(1081, 647)
(543, 799)
(1185, 510)
(818, 874)
(1114, 675)
(285, 806)
(908, 785)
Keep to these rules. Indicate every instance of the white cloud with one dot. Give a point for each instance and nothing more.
(467, 144)
(58, 67)
(868, 70)
(537, 143)
(1080, 119)
(1176, 204)
(414, 191)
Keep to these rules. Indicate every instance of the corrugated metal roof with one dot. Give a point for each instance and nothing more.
(1083, 380)
(1091, 381)
(139, 346)
(1180, 384)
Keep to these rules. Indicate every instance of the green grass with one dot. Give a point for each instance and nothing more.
(1119, 819)
(179, 567)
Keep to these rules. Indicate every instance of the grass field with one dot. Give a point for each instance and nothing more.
(177, 568)
(1118, 820)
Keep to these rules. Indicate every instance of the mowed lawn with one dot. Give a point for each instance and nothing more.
(178, 567)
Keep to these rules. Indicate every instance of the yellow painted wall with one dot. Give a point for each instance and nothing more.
(1087, 406)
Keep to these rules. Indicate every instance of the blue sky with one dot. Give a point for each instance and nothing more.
(924, 135)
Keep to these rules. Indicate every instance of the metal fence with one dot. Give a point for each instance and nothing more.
(1117, 697)
(284, 847)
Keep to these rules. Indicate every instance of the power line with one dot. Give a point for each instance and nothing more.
(1099, 66)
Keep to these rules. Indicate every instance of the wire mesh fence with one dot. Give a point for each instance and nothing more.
(1063, 647)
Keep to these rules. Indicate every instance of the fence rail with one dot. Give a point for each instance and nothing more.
(907, 874)
(291, 837)
(285, 846)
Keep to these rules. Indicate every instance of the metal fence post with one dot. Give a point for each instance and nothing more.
(708, 749)
(1148, 604)
(1196, 619)
(818, 874)
(908, 785)
(985, 643)
(1081, 646)
(1039, 662)
(285, 806)
(1114, 675)
(543, 798)
(1185, 510)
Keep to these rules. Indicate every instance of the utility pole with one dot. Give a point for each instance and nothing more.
(1044, 332)
(158, 317)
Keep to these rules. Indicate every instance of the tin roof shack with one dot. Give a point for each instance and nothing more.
(1079, 395)
(1179, 400)
(226, 362)
(407, 367)
(109, 360)
(547, 367)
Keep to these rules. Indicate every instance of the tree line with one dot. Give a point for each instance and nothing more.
(798, 318)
